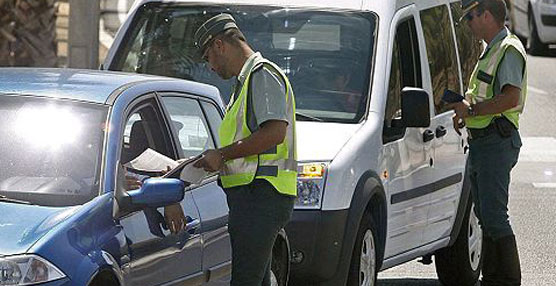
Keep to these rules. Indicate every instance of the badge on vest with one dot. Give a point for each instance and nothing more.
(484, 77)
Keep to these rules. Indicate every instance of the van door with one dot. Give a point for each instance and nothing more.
(407, 151)
(449, 157)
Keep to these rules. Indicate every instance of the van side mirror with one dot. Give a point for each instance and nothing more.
(415, 108)
(154, 193)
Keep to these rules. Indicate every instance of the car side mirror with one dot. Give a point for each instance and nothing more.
(415, 108)
(154, 193)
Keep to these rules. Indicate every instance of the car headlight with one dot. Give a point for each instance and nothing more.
(27, 270)
(311, 178)
(550, 2)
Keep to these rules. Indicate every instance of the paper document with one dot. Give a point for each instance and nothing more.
(192, 174)
(152, 162)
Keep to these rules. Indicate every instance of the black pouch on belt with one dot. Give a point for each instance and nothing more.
(504, 126)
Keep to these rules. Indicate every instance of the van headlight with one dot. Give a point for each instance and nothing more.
(311, 178)
(27, 270)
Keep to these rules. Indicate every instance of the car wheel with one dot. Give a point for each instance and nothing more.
(534, 45)
(363, 268)
(460, 264)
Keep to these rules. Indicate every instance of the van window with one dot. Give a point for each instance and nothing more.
(405, 72)
(469, 47)
(327, 55)
(441, 52)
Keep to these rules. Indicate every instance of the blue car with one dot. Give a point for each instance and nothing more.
(67, 214)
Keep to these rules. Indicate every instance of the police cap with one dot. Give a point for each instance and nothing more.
(468, 5)
(211, 28)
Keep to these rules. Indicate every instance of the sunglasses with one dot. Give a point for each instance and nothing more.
(471, 15)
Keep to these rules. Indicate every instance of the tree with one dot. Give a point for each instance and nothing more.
(28, 33)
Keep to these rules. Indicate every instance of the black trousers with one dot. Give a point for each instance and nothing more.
(257, 213)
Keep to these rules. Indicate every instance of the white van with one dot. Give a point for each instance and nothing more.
(536, 21)
(382, 170)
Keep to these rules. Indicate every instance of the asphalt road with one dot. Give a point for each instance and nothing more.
(532, 191)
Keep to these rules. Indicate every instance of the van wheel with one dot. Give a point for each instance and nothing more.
(279, 265)
(363, 268)
(534, 45)
(460, 263)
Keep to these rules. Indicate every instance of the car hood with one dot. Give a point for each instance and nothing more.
(321, 141)
(22, 225)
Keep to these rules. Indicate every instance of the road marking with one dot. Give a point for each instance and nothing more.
(536, 90)
(538, 149)
(544, 185)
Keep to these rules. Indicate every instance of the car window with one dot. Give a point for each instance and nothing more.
(469, 47)
(190, 124)
(439, 39)
(327, 55)
(214, 118)
(51, 150)
(405, 72)
(145, 129)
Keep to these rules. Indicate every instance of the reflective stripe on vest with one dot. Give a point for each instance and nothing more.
(279, 165)
(481, 84)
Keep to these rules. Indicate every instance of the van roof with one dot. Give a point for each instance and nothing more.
(333, 4)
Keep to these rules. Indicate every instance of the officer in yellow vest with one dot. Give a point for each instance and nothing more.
(494, 101)
(257, 160)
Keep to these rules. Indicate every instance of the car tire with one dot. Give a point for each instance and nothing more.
(460, 264)
(534, 45)
(364, 265)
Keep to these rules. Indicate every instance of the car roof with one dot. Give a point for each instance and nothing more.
(331, 4)
(90, 85)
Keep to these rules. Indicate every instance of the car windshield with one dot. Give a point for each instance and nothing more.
(327, 55)
(50, 149)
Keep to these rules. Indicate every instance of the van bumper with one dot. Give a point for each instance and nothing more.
(319, 237)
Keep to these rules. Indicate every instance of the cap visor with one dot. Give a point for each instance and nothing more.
(467, 10)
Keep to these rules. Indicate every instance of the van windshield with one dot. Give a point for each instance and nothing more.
(50, 149)
(327, 55)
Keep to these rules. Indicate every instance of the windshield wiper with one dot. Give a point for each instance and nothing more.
(10, 200)
(305, 116)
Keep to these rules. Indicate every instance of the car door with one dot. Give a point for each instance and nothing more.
(197, 121)
(407, 151)
(449, 158)
(156, 255)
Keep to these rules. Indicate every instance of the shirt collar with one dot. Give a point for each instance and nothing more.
(501, 35)
(247, 66)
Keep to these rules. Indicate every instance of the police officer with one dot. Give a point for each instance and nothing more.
(494, 101)
(257, 160)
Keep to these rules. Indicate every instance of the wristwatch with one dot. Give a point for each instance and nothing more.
(471, 111)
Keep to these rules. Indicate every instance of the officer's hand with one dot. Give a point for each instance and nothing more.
(174, 217)
(211, 161)
(460, 108)
(458, 123)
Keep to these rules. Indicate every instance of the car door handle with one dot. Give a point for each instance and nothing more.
(440, 131)
(192, 225)
(428, 135)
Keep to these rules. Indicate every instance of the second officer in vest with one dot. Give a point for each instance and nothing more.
(494, 101)
(257, 160)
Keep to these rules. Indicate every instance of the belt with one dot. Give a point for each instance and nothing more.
(475, 133)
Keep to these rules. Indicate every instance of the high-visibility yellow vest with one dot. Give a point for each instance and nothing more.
(482, 81)
(278, 165)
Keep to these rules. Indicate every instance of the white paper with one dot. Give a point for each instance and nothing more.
(152, 161)
(193, 174)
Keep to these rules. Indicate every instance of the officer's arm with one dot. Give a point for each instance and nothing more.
(500, 103)
(270, 134)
